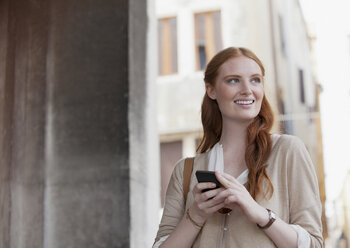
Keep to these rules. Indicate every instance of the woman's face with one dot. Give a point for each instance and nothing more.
(238, 89)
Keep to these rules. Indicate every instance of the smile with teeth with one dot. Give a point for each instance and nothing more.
(244, 102)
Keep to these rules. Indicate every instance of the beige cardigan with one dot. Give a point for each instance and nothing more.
(295, 200)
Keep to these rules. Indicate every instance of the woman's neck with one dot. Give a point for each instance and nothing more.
(234, 135)
(234, 140)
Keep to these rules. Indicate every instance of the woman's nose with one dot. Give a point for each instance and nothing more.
(245, 88)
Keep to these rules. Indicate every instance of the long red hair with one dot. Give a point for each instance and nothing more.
(259, 142)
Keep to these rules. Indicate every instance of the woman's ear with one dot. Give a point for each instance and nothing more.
(210, 91)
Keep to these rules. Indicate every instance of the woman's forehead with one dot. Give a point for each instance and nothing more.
(241, 65)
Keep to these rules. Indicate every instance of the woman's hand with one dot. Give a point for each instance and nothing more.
(236, 194)
(205, 203)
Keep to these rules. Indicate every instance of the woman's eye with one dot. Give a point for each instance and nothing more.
(233, 80)
(256, 80)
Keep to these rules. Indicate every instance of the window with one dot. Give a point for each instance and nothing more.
(208, 37)
(167, 46)
(301, 86)
(286, 124)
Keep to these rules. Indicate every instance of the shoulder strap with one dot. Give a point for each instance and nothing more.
(187, 175)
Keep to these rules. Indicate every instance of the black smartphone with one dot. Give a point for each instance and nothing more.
(207, 176)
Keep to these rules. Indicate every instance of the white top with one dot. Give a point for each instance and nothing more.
(216, 163)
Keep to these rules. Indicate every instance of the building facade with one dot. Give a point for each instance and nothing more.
(340, 223)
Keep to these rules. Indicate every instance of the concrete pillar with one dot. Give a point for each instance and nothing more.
(144, 143)
(22, 122)
(6, 108)
(87, 137)
(76, 120)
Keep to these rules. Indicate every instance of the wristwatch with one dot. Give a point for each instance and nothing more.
(272, 218)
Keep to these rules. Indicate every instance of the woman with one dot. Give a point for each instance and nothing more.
(268, 180)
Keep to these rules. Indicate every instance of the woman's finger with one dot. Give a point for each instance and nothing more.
(226, 193)
(227, 180)
(201, 186)
(209, 205)
(200, 196)
(231, 199)
(223, 180)
(211, 195)
(216, 207)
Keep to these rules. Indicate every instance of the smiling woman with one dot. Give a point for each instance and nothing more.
(238, 89)
(250, 163)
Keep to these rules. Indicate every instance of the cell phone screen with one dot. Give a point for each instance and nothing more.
(207, 176)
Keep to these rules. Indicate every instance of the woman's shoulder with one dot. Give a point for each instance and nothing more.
(286, 141)
(290, 154)
(198, 159)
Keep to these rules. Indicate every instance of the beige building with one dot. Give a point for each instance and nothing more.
(190, 32)
(340, 223)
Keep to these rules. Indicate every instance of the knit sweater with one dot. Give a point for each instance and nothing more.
(295, 200)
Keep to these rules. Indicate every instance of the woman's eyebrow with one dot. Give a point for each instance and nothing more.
(238, 76)
(232, 75)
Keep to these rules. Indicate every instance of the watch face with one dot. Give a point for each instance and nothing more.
(273, 215)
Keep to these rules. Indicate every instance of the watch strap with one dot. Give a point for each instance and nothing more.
(272, 218)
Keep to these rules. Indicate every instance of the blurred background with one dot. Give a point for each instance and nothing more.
(100, 99)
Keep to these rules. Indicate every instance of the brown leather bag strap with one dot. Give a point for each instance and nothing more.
(187, 176)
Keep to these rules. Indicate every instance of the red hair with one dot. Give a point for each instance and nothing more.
(259, 142)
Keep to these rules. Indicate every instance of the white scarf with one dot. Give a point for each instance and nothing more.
(216, 162)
